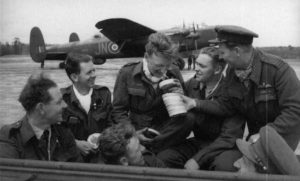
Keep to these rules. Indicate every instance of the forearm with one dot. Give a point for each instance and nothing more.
(212, 107)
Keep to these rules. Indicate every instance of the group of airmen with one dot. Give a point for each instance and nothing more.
(234, 84)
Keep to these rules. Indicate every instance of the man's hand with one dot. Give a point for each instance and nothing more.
(84, 147)
(254, 138)
(188, 102)
(142, 137)
(191, 164)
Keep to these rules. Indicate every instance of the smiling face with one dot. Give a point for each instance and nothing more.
(87, 76)
(205, 68)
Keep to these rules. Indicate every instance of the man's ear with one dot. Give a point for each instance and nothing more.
(74, 77)
(124, 161)
(237, 50)
(218, 69)
(40, 107)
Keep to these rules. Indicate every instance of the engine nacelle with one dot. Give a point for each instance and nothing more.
(99, 61)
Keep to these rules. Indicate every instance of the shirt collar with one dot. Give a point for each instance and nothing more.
(38, 131)
(224, 72)
(78, 94)
(256, 67)
(244, 74)
(26, 130)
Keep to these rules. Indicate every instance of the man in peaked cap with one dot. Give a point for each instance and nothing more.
(260, 86)
(270, 154)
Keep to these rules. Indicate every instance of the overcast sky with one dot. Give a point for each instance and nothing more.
(276, 21)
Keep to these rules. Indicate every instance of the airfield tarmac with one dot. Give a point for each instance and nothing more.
(15, 70)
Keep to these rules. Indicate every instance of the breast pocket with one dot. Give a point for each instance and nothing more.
(138, 100)
(266, 103)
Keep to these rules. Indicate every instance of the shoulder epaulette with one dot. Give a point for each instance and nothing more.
(271, 59)
(131, 63)
(99, 87)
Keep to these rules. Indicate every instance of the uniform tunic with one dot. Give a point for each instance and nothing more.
(213, 135)
(18, 140)
(83, 124)
(137, 101)
(271, 96)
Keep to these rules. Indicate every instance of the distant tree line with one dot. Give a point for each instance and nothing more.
(16, 47)
(288, 52)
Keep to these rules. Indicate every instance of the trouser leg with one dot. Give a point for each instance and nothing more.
(173, 132)
(177, 156)
(225, 161)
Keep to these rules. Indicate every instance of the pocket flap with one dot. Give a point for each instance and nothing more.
(137, 91)
(265, 94)
(100, 115)
(73, 120)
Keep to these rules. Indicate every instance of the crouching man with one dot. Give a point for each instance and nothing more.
(119, 145)
(38, 136)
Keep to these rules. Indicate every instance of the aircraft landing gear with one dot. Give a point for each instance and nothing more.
(62, 65)
(42, 64)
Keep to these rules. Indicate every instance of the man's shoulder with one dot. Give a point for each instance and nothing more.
(100, 87)
(271, 60)
(9, 129)
(130, 66)
(66, 90)
(103, 90)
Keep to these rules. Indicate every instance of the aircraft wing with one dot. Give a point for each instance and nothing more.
(121, 29)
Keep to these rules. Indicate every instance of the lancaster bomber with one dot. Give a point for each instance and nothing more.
(123, 39)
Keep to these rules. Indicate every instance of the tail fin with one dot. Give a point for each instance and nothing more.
(73, 37)
(37, 45)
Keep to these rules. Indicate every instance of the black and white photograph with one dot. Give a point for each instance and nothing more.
(150, 90)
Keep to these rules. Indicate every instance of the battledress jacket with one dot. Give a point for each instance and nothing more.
(271, 97)
(218, 133)
(135, 99)
(18, 140)
(83, 124)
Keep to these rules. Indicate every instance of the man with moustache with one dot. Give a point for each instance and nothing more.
(260, 86)
(89, 105)
(39, 134)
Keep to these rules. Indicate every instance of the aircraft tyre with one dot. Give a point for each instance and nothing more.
(42, 64)
(62, 65)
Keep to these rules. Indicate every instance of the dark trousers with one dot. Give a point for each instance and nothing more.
(177, 156)
(172, 132)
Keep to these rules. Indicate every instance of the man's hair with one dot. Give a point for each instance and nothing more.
(72, 62)
(213, 52)
(114, 140)
(36, 91)
(160, 43)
